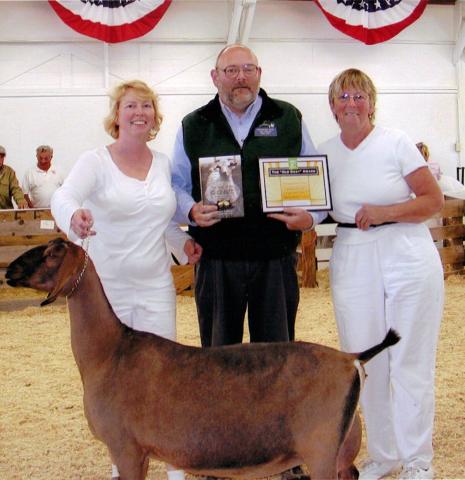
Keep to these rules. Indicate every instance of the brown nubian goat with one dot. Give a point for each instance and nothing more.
(243, 411)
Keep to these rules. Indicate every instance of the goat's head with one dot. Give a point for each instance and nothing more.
(51, 268)
(224, 166)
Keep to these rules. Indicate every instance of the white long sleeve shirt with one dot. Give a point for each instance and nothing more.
(132, 219)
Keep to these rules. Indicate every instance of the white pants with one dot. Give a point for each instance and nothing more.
(393, 279)
(147, 310)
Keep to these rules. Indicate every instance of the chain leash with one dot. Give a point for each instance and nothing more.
(85, 247)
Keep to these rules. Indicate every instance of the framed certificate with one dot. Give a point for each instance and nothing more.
(295, 182)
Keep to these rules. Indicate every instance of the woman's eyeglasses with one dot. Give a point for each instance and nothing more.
(232, 71)
(357, 98)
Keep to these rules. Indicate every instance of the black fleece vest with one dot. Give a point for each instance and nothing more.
(207, 133)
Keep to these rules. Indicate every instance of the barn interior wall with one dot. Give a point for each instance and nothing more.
(53, 81)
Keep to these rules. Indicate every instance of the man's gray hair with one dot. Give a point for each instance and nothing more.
(44, 148)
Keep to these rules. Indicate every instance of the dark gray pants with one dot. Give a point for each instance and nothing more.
(224, 289)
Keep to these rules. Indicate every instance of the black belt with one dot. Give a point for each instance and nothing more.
(354, 225)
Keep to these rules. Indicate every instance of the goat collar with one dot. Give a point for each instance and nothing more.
(81, 274)
(64, 273)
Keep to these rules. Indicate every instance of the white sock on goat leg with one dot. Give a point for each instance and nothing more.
(175, 474)
(114, 471)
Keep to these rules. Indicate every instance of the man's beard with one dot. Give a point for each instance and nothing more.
(242, 99)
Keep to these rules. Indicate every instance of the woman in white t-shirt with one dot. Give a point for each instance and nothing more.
(385, 273)
(121, 195)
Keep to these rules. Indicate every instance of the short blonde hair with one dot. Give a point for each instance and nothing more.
(142, 90)
(356, 79)
(44, 148)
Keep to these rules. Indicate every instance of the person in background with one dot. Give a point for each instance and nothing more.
(449, 185)
(41, 181)
(433, 166)
(385, 272)
(9, 186)
(121, 195)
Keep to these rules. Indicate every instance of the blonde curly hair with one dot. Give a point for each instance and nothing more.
(142, 90)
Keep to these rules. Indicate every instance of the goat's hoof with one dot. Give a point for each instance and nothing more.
(295, 473)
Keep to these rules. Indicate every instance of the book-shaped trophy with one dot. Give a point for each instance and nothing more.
(221, 184)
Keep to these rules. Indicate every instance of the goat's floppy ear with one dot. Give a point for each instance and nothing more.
(50, 299)
(69, 265)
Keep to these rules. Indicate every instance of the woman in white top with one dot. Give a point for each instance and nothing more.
(385, 272)
(121, 195)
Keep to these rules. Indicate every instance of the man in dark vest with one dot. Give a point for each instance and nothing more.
(247, 262)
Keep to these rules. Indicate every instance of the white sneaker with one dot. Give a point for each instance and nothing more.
(374, 470)
(410, 473)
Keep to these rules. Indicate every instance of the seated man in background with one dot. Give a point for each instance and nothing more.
(9, 186)
(41, 181)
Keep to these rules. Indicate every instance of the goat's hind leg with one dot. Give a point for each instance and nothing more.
(132, 463)
(322, 466)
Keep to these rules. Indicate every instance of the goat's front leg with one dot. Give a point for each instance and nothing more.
(131, 462)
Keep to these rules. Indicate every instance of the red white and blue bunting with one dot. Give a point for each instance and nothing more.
(372, 21)
(111, 21)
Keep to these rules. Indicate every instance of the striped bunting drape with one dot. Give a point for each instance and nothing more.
(111, 21)
(372, 21)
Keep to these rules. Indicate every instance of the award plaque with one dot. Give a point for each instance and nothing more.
(295, 182)
(221, 184)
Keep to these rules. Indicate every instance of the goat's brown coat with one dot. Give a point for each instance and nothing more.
(244, 410)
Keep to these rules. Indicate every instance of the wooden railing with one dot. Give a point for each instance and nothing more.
(448, 232)
(447, 229)
(23, 229)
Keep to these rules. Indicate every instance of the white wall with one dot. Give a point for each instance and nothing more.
(53, 81)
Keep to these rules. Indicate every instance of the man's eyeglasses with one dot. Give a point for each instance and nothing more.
(232, 71)
(357, 98)
(2, 154)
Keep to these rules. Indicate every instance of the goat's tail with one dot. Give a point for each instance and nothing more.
(391, 338)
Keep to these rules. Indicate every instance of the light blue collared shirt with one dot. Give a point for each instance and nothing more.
(240, 126)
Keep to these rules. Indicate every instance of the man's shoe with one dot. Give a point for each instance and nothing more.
(374, 470)
(413, 473)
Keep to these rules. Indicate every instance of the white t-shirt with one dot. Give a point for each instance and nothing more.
(41, 185)
(132, 220)
(373, 173)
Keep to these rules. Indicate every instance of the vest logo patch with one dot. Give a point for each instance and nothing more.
(266, 129)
